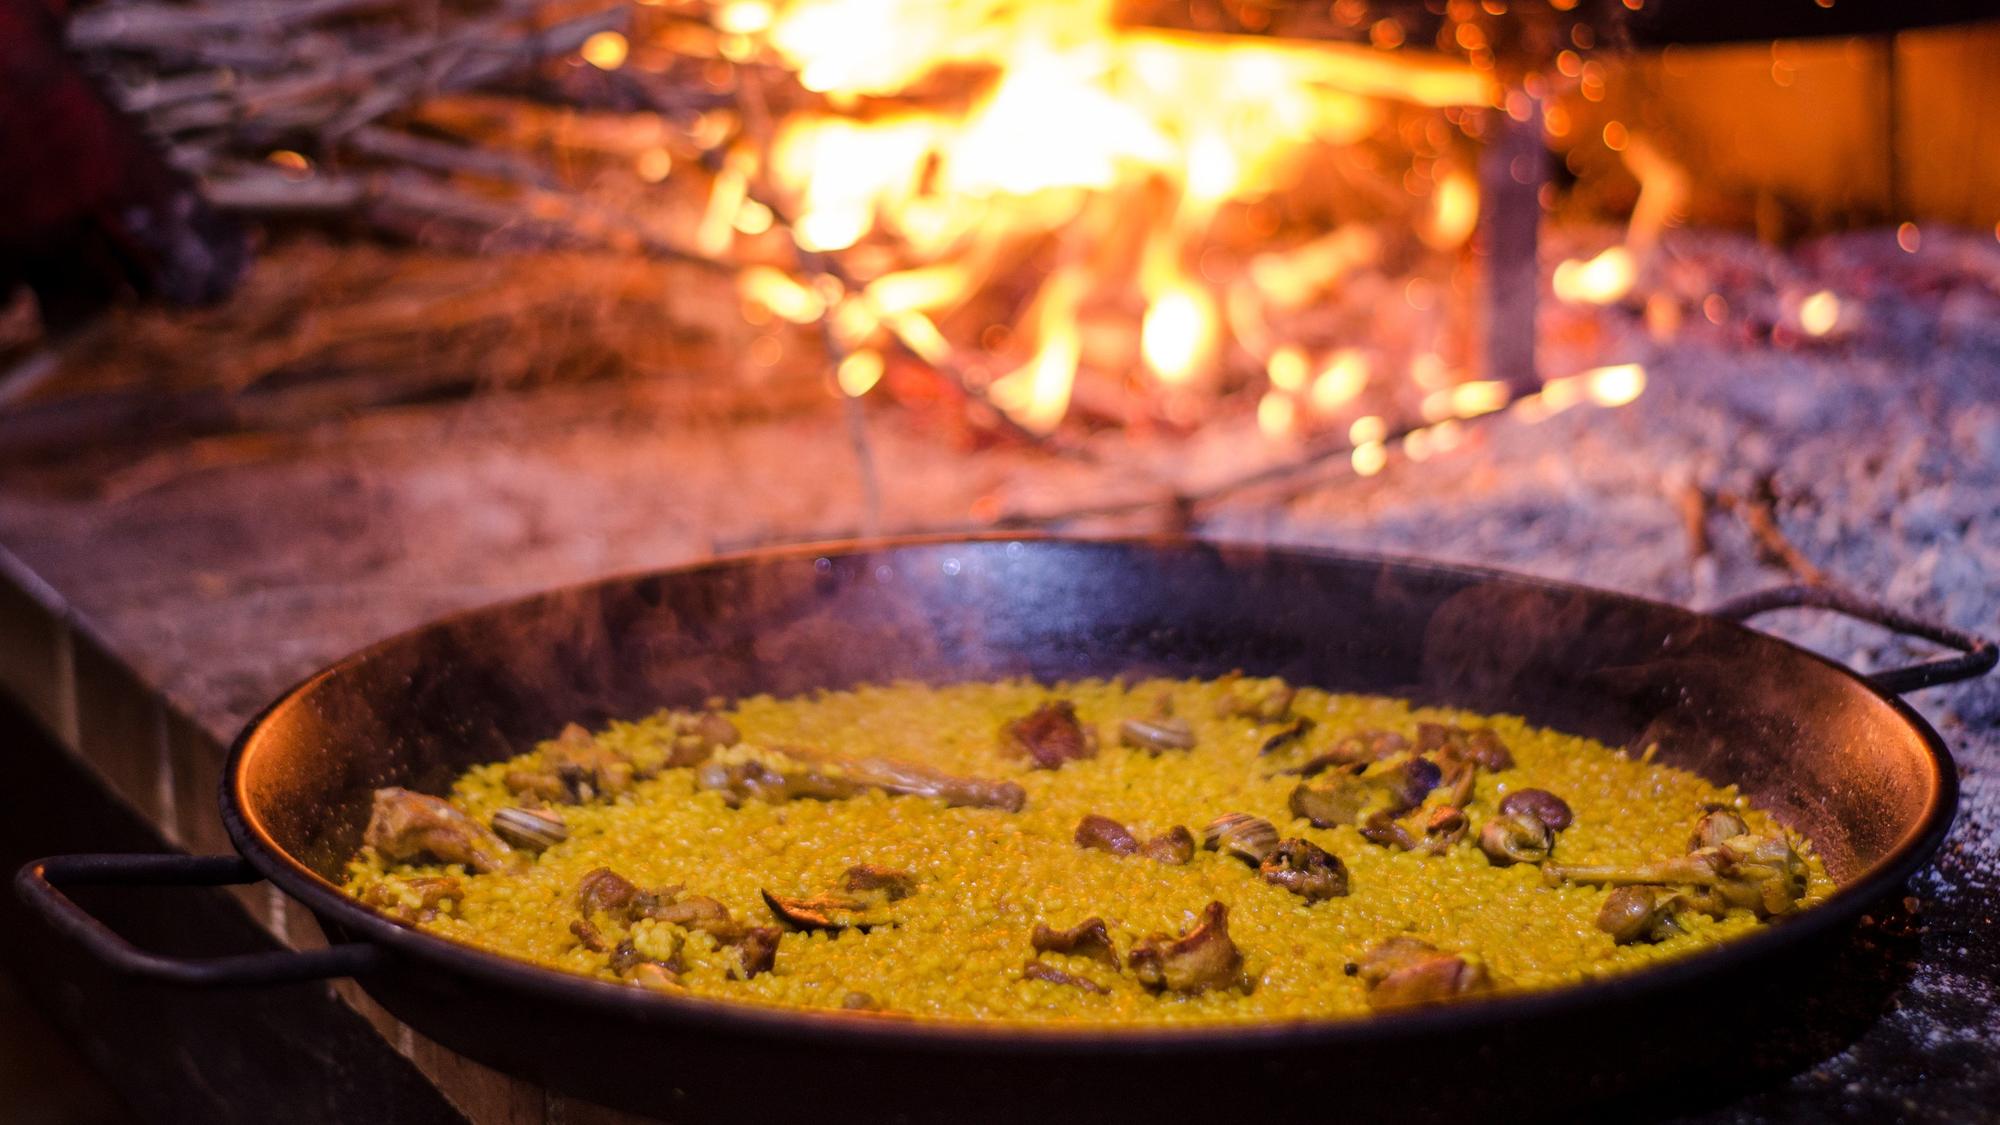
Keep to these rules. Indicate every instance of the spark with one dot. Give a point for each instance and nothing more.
(1819, 313)
(606, 50)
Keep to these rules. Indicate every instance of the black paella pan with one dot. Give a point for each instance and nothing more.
(1833, 754)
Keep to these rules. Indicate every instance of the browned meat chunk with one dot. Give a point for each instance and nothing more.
(1715, 826)
(1202, 959)
(693, 912)
(1305, 869)
(791, 773)
(1403, 971)
(415, 899)
(637, 968)
(1035, 970)
(758, 950)
(1453, 744)
(1541, 804)
(1101, 833)
(604, 891)
(1261, 700)
(574, 769)
(697, 735)
(588, 936)
(1049, 736)
(1087, 938)
(1175, 847)
(756, 946)
(1404, 781)
(405, 825)
(1392, 787)
(894, 885)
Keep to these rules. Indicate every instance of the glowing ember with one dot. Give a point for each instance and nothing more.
(1277, 414)
(1344, 378)
(654, 165)
(1288, 368)
(781, 294)
(1479, 397)
(744, 17)
(605, 50)
(1455, 211)
(1600, 281)
(1819, 314)
(1369, 429)
(1616, 385)
(859, 372)
(1178, 334)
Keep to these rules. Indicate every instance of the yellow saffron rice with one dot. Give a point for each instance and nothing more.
(986, 877)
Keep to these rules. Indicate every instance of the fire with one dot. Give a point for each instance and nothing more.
(959, 140)
(744, 17)
(1277, 414)
(1819, 314)
(859, 372)
(1178, 333)
(1345, 377)
(606, 50)
(1599, 281)
(1038, 394)
(1615, 385)
(1455, 212)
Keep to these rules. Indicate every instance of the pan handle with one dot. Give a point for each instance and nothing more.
(1976, 654)
(39, 884)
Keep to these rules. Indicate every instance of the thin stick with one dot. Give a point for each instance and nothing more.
(1695, 504)
(1759, 514)
(441, 156)
(150, 26)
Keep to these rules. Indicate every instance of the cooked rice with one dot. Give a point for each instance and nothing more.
(987, 877)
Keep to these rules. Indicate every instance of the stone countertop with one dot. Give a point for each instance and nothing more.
(145, 622)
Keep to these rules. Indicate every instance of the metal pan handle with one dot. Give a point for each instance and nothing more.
(39, 885)
(1976, 654)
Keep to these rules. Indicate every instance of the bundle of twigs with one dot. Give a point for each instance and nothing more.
(358, 110)
(304, 107)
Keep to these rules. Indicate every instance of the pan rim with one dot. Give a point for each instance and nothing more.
(1920, 840)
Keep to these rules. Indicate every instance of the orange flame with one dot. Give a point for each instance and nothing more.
(1084, 133)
